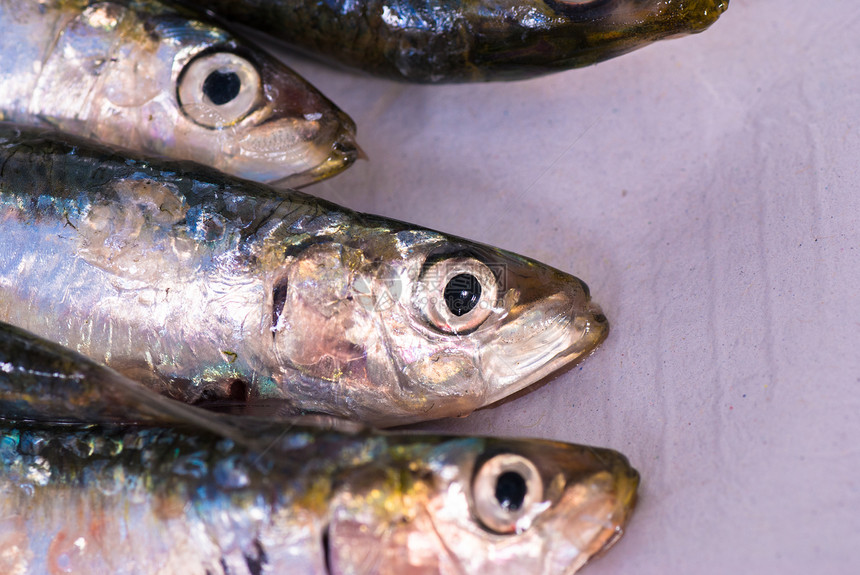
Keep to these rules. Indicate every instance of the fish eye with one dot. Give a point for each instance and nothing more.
(462, 293)
(457, 294)
(506, 490)
(221, 87)
(218, 89)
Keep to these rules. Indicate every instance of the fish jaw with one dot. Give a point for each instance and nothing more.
(602, 504)
(546, 321)
(300, 137)
(541, 344)
(292, 137)
(672, 18)
(342, 152)
(528, 341)
(633, 24)
(700, 15)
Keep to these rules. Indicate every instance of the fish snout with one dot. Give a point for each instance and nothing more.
(594, 327)
(625, 494)
(626, 487)
(333, 153)
(698, 16)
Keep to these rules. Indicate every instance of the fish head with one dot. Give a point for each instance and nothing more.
(410, 325)
(646, 17)
(468, 325)
(487, 506)
(541, 36)
(185, 88)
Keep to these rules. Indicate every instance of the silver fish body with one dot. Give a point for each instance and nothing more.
(469, 40)
(206, 287)
(162, 80)
(132, 500)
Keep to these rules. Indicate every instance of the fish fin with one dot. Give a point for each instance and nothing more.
(43, 381)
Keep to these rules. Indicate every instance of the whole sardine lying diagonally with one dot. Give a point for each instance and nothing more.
(470, 40)
(162, 80)
(212, 289)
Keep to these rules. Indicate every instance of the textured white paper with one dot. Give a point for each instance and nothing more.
(706, 188)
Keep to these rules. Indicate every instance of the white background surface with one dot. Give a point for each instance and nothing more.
(706, 189)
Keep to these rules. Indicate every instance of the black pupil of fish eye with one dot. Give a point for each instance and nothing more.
(462, 294)
(221, 87)
(511, 490)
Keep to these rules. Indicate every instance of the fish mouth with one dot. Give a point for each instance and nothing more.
(627, 481)
(626, 496)
(666, 19)
(567, 339)
(602, 521)
(344, 152)
(698, 16)
(684, 17)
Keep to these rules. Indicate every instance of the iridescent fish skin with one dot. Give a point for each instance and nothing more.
(226, 494)
(44, 382)
(470, 40)
(162, 80)
(207, 287)
(41, 380)
(160, 500)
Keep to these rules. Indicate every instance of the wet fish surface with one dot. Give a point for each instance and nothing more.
(41, 380)
(219, 291)
(470, 40)
(217, 494)
(134, 500)
(45, 383)
(166, 81)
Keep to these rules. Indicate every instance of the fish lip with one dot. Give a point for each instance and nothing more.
(625, 489)
(686, 16)
(719, 6)
(344, 152)
(597, 330)
(700, 15)
(627, 481)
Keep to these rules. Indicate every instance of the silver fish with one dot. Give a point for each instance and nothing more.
(206, 287)
(469, 40)
(163, 80)
(130, 500)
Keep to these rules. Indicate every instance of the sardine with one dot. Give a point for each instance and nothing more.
(163, 80)
(469, 40)
(213, 289)
(131, 500)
